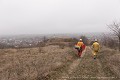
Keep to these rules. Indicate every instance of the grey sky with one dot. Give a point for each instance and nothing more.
(57, 16)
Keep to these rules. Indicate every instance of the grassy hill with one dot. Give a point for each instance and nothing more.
(58, 60)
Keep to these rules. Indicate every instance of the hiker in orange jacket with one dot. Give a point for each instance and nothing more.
(80, 47)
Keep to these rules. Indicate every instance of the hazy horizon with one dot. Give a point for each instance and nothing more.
(58, 34)
(18, 17)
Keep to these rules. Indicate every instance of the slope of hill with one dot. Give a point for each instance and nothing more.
(54, 62)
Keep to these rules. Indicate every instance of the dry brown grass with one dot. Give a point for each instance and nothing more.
(50, 61)
(105, 67)
(110, 60)
(29, 64)
(62, 42)
(86, 69)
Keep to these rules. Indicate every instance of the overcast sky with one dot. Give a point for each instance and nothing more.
(57, 16)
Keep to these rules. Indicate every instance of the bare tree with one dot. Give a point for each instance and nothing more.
(115, 27)
(45, 39)
(109, 41)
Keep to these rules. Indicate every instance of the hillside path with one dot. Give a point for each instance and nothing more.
(72, 68)
(85, 68)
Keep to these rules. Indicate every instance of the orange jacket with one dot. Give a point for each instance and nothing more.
(80, 44)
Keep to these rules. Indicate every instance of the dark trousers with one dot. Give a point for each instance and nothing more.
(79, 52)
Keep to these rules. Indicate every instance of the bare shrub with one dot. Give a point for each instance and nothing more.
(39, 49)
(62, 42)
(85, 40)
(61, 45)
(115, 27)
(92, 42)
(40, 45)
(108, 41)
(70, 40)
(45, 39)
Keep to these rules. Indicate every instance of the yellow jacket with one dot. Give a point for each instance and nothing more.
(96, 46)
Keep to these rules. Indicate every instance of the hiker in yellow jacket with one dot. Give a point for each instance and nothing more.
(95, 48)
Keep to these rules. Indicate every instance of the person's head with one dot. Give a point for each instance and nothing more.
(96, 40)
(80, 40)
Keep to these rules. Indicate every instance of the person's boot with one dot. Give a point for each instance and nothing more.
(95, 57)
(80, 54)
